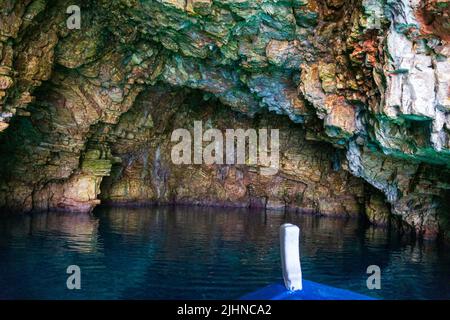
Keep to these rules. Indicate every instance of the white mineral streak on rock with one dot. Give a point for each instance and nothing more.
(417, 83)
(443, 81)
(422, 85)
(401, 52)
(367, 166)
(354, 159)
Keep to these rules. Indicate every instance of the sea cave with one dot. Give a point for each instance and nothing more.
(91, 93)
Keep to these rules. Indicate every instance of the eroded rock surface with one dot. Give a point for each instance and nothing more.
(368, 78)
(310, 178)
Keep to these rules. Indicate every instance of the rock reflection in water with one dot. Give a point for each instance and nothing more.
(203, 253)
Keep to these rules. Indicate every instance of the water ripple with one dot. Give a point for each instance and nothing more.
(203, 253)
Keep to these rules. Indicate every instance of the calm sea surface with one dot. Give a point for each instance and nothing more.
(204, 253)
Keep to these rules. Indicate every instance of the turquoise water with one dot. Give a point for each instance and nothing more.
(204, 253)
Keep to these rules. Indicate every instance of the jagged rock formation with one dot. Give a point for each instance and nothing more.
(367, 77)
(310, 176)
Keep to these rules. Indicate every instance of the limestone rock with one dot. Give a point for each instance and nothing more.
(369, 78)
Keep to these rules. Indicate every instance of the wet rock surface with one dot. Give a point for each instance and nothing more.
(365, 79)
(310, 177)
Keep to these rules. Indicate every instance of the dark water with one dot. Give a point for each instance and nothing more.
(203, 253)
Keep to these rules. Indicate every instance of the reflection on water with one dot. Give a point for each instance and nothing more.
(203, 253)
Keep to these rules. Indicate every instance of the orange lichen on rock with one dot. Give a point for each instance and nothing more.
(366, 52)
(434, 18)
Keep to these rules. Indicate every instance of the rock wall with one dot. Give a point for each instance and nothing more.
(368, 77)
(310, 178)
